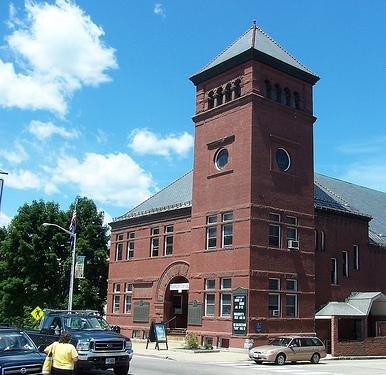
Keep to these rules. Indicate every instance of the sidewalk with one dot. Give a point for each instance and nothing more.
(176, 352)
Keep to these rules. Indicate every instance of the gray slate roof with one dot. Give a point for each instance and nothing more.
(256, 40)
(357, 304)
(329, 193)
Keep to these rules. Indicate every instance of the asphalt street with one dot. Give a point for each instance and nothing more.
(142, 365)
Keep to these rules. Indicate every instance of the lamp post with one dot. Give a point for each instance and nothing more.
(73, 235)
(1, 185)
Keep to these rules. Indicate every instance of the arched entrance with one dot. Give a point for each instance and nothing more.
(176, 302)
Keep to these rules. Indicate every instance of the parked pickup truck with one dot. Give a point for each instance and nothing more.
(99, 346)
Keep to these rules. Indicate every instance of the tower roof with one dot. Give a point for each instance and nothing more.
(255, 44)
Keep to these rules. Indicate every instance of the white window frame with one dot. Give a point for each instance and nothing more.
(278, 283)
(269, 236)
(322, 241)
(119, 244)
(296, 305)
(223, 235)
(345, 264)
(130, 250)
(206, 303)
(131, 235)
(212, 226)
(128, 293)
(116, 298)
(356, 257)
(166, 245)
(278, 305)
(335, 280)
(152, 247)
(207, 286)
(295, 283)
(227, 304)
(222, 283)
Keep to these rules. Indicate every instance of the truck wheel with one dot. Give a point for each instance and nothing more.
(122, 370)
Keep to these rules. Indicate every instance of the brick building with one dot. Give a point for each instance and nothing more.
(251, 243)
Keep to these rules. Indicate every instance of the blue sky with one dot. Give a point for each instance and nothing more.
(95, 98)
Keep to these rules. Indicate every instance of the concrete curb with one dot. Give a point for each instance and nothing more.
(353, 358)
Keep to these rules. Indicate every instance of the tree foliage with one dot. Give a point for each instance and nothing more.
(35, 260)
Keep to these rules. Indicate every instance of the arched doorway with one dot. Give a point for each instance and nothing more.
(176, 302)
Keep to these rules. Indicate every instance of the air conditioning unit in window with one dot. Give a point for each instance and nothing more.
(275, 313)
(293, 244)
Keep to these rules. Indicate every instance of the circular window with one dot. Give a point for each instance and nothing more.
(221, 159)
(283, 159)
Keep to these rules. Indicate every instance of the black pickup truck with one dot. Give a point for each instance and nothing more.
(99, 346)
(18, 354)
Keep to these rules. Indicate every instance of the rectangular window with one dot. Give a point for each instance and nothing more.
(316, 239)
(116, 298)
(226, 304)
(333, 272)
(227, 216)
(292, 220)
(155, 231)
(292, 233)
(131, 235)
(128, 295)
(322, 241)
(291, 305)
(274, 235)
(227, 235)
(168, 245)
(154, 246)
(292, 285)
(356, 257)
(274, 217)
(274, 284)
(209, 304)
(130, 250)
(210, 284)
(169, 229)
(119, 237)
(345, 263)
(226, 283)
(119, 251)
(211, 237)
(274, 305)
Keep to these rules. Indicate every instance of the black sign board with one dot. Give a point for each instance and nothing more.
(157, 334)
(239, 318)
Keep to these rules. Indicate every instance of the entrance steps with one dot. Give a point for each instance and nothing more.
(176, 334)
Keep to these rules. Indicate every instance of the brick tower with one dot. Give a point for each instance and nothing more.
(253, 181)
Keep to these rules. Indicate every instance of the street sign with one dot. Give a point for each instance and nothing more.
(79, 267)
(37, 313)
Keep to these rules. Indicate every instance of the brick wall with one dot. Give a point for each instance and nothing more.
(369, 346)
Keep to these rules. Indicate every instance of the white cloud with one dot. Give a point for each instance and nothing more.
(372, 175)
(45, 130)
(111, 178)
(15, 156)
(159, 10)
(23, 180)
(145, 142)
(4, 219)
(58, 49)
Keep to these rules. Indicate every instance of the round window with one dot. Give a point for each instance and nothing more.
(283, 159)
(221, 159)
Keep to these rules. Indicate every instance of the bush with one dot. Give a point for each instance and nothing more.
(191, 341)
(208, 344)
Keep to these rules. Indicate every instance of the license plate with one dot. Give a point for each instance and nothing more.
(110, 361)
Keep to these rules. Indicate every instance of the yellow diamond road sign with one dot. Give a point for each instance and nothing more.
(37, 313)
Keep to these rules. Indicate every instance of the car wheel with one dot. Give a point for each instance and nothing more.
(122, 370)
(315, 358)
(280, 359)
(258, 362)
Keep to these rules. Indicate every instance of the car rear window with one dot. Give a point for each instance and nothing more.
(317, 342)
(308, 341)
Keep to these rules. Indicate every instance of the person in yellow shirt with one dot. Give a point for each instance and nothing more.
(64, 355)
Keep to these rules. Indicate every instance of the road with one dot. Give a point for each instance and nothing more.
(142, 365)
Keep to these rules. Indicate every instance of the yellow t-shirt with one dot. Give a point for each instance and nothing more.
(63, 355)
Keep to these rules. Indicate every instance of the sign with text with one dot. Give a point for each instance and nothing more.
(239, 317)
(79, 267)
(179, 286)
(157, 334)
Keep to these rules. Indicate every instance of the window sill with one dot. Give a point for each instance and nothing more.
(218, 174)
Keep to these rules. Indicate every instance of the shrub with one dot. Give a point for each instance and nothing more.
(191, 341)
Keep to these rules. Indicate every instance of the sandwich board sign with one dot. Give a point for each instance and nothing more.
(157, 334)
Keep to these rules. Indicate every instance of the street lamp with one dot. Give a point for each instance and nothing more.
(73, 235)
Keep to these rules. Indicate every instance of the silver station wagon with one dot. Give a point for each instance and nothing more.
(291, 349)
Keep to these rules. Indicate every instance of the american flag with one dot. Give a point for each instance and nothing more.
(72, 227)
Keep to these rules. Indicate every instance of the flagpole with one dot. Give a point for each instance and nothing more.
(71, 292)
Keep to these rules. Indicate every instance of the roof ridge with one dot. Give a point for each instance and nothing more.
(152, 196)
(225, 49)
(283, 49)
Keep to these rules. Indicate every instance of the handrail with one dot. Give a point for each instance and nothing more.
(173, 318)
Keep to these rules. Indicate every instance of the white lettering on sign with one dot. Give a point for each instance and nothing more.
(179, 286)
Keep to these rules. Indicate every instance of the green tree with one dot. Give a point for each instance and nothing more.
(35, 261)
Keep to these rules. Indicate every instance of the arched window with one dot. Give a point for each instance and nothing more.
(287, 94)
(297, 100)
(277, 93)
(210, 100)
(268, 89)
(218, 97)
(237, 89)
(228, 93)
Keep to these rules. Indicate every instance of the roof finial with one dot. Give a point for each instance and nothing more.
(254, 33)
